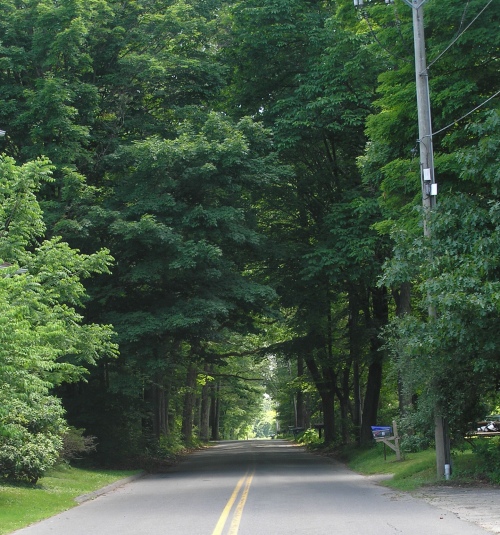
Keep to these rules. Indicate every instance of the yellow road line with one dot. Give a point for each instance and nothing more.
(239, 508)
(235, 524)
(225, 513)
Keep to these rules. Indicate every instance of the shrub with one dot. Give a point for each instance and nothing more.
(27, 457)
(75, 444)
(309, 436)
(414, 443)
(31, 436)
(488, 453)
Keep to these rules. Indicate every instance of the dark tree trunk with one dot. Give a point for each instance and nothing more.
(372, 396)
(357, 412)
(354, 355)
(374, 381)
(300, 395)
(214, 411)
(402, 298)
(189, 403)
(205, 409)
(160, 411)
(326, 389)
(328, 404)
(343, 396)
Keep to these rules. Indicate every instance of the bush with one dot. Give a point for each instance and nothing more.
(31, 432)
(488, 453)
(75, 444)
(27, 457)
(416, 432)
(309, 436)
(414, 443)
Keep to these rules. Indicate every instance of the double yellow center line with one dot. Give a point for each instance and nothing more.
(244, 483)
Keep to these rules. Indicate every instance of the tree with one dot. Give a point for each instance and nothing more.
(45, 340)
(460, 81)
(101, 86)
(180, 221)
(312, 78)
(461, 281)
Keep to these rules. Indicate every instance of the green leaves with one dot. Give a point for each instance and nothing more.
(457, 273)
(43, 339)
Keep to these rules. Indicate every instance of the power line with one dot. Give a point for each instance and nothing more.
(385, 49)
(467, 114)
(463, 16)
(453, 41)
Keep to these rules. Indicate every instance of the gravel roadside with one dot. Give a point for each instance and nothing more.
(479, 505)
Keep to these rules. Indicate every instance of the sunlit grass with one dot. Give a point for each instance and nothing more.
(21, 505)
(416, 470)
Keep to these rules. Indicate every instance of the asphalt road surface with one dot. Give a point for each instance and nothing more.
(254, 488)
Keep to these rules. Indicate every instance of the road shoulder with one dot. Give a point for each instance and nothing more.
(479, 505)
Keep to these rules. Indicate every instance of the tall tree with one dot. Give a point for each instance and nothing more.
(45, 340)
(116, 93)
(462, 79)
(305, 72)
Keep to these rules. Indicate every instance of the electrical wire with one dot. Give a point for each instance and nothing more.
(372, 31)
(467, 114)
(463, 17)
(455, 39)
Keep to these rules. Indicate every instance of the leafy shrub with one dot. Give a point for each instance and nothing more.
(27, 457)
(414, 443)
(488, 453)
(75, 444)
(31, 437)
(309, 436)
(416, 432)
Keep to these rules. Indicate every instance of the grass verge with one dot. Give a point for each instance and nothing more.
(416, 470)
(21, 505)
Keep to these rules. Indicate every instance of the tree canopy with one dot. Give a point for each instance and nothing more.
(233, 189)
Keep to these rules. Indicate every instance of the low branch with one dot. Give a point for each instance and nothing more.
(235, 376)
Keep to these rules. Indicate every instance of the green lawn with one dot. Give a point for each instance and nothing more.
(416, 470)
(23, 505)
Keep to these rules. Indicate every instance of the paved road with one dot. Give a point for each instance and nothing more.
(255, 488)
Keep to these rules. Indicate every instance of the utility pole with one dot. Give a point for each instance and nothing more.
(429, 191)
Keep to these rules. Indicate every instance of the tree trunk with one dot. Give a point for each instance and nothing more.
(215, 410)
(343, 397)
(300, 394)
(160, 418)
(189, 403)
(205, 409)
(402, 298)
(354, 355)
(328, 404)
(326, 390)
(372, 398)
(374, 382)
(357, 413)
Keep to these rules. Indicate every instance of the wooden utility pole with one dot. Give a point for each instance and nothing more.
(429, 192)
(429, 189)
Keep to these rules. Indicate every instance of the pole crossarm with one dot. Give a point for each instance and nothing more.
(415, 5)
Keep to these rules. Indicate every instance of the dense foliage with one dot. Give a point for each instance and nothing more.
(250, 166)
(44, 339)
